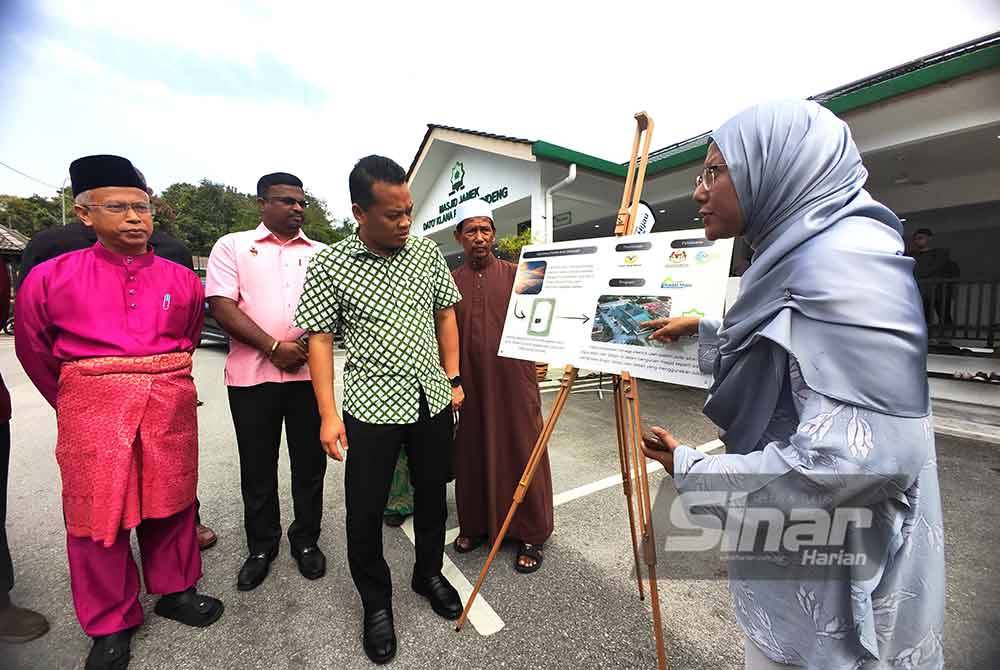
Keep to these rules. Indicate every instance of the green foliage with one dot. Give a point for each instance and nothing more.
(197, 215)
(30, 215)
(509, 247)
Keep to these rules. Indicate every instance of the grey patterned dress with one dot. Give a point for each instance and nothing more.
(890, 619)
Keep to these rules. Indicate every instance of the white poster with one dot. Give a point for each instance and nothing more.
(584, 302)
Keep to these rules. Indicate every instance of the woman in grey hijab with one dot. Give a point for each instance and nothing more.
(820, 391)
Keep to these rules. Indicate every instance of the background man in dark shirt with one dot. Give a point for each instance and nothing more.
(932, 263)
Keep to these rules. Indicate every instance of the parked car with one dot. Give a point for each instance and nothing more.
(211, 331)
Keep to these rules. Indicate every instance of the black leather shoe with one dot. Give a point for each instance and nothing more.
(379, 638)
(254, 571)
(443, 596)
(110, 652)
(312, 562)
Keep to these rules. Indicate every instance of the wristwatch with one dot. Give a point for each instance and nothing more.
(456, 381)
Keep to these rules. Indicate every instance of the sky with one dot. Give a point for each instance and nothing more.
(231, 90)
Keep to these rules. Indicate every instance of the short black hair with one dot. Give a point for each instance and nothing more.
(369, 170)
(924, 231)
(276, 179)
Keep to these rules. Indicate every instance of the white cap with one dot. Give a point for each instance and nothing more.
(471, 209)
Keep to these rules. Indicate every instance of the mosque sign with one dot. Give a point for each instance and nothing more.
(460, 193)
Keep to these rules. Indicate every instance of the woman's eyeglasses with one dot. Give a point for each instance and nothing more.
(708, 175)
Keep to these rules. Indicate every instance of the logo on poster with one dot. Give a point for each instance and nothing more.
(632, 261)
(669, 282)
(703, 257)
(677, 257)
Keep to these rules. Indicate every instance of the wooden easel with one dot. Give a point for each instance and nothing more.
(635, 481)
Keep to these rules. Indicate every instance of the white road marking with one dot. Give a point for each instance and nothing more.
(483, 617)
(616, 480)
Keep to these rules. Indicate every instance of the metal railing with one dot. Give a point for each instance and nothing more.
(958, 309)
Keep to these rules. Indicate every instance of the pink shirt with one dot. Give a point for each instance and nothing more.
(93, 303)
(264, 276)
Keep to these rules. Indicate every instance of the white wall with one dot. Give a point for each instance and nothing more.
(510, 178)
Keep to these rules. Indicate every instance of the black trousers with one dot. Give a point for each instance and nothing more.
(371, 459)
(258, 413)
(6, 567)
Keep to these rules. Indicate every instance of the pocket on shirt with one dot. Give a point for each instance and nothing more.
(173, 316)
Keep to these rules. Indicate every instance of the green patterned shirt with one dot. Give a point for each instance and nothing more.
(385, 306)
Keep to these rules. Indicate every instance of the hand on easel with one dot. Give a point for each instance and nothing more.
(659, 445)
(670, 329)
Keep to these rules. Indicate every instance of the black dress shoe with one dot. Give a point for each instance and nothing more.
(443, 596)
(111, 652)
(254, 571)
(379, 638)
(312, 562)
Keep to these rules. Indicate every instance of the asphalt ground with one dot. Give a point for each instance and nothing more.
(580, 610)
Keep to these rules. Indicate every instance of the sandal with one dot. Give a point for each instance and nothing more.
(533, 551)
(111, 652)
(190, 608)
(470, 543)
(394, 519)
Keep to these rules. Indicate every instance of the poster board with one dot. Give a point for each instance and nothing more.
(582, 302)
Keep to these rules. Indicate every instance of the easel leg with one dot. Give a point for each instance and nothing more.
(634, 433)
(627, 420)
(626, 469)
(568, 378)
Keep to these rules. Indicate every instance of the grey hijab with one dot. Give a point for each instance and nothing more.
(829, 283)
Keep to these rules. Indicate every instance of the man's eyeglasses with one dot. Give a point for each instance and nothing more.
(140, 208)
(289, 202)
(708, 175)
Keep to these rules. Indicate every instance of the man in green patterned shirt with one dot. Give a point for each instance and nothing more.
(394, 298)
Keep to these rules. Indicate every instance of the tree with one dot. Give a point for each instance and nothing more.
(30, 215)
(318, 223)
(509, 247)
(198, 215)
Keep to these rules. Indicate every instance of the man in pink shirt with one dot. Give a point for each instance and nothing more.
(106, 335)
(253, 283)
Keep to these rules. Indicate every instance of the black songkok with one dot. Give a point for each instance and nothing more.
(92, 172)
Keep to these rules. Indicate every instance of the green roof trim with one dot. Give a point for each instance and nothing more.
(692, 155)
(935, 73)
(554, 152)
(929, 75)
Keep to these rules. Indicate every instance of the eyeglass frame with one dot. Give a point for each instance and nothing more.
(703, 179)
(114, 206)
(287, 201)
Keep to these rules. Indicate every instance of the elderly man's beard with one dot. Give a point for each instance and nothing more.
(479, 262)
